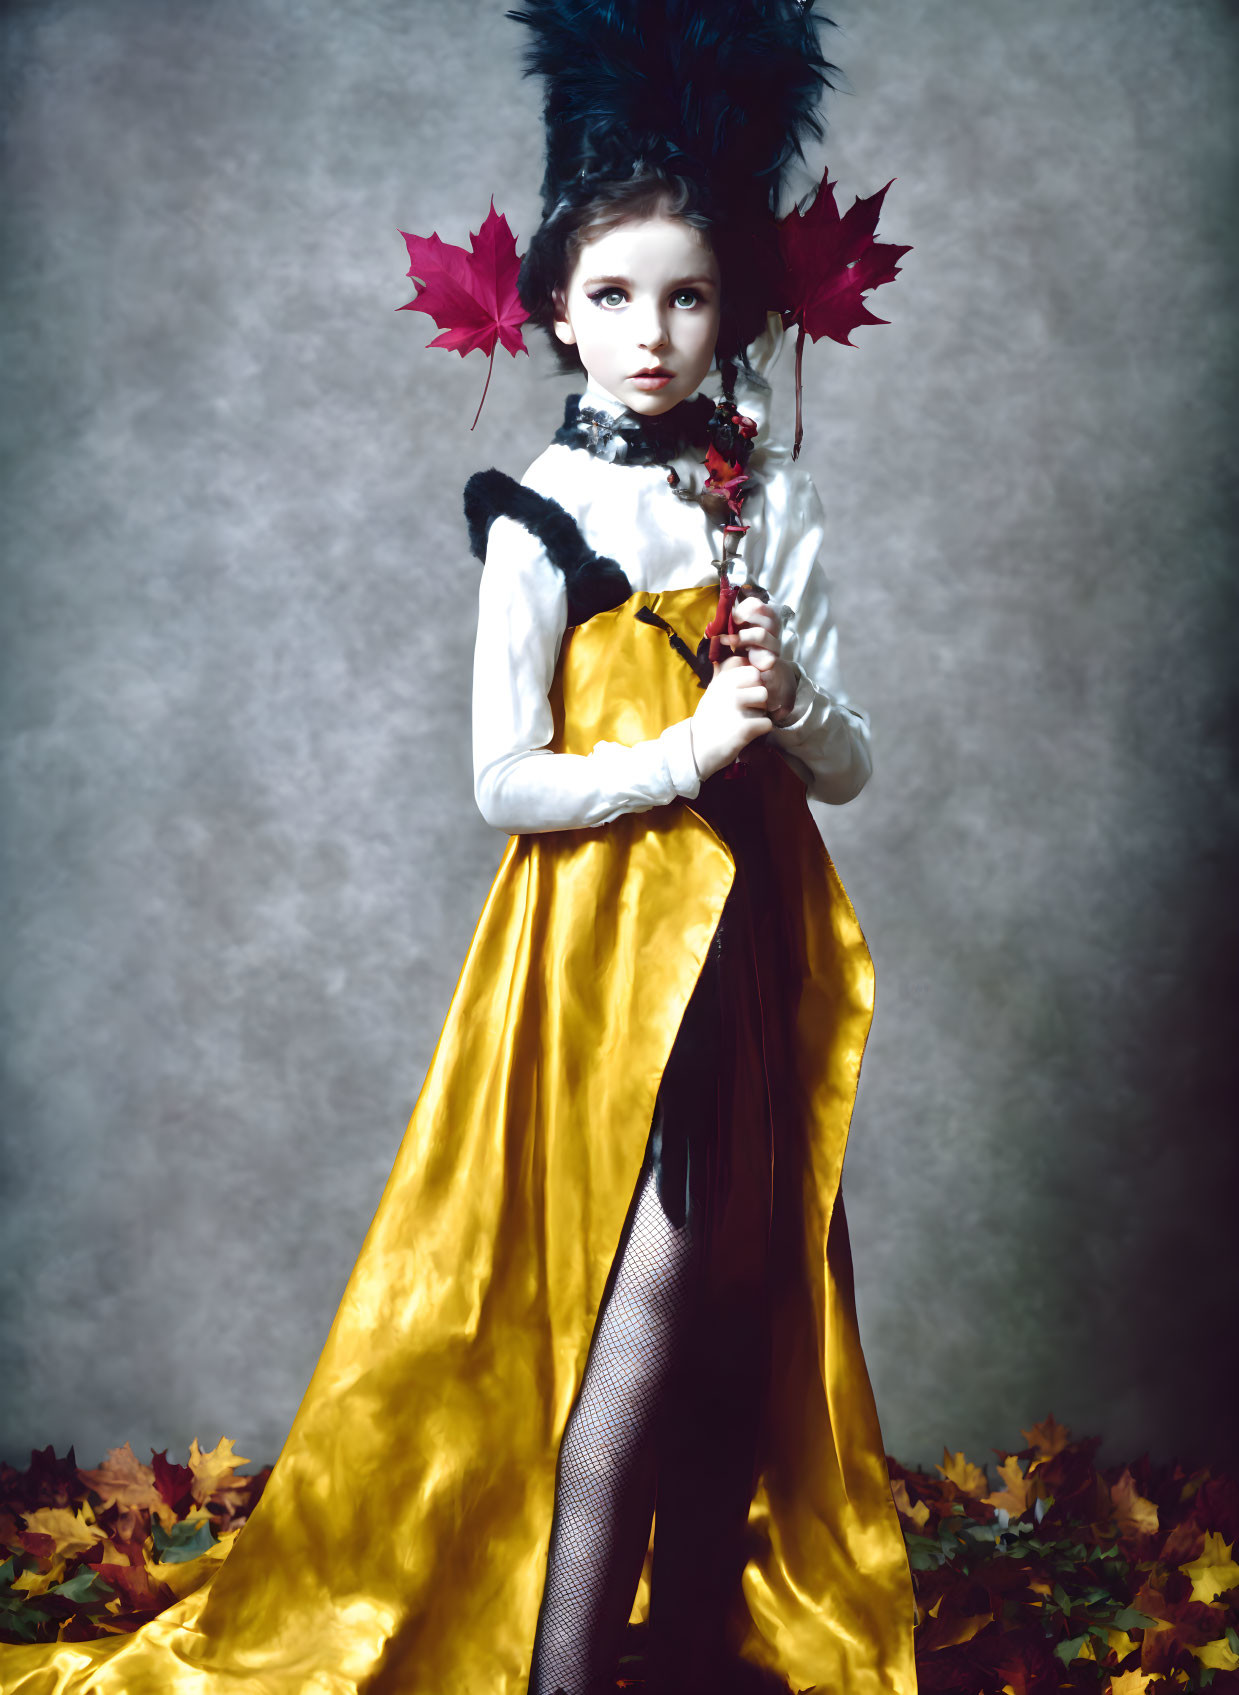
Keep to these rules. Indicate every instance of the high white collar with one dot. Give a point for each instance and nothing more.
(597, 397)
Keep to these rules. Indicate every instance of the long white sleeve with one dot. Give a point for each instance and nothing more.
(520, 785)
(826, 737)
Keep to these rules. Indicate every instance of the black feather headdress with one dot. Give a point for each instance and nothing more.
(720, 93)
(690, 109)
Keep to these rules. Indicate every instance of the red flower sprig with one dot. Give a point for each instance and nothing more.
(731, 443)
(471, 296)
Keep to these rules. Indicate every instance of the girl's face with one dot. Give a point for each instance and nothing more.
(642, 311)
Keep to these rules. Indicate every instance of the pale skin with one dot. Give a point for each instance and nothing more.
(642, 310)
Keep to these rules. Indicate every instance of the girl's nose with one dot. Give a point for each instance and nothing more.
(654, 333)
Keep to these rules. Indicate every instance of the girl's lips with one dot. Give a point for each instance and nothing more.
(651, 379)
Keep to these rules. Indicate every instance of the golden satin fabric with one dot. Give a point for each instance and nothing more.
(400, 1545)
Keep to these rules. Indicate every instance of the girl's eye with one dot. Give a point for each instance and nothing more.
(684, 297)
(609, 297)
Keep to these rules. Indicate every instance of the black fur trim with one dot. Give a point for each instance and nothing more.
(594, 583)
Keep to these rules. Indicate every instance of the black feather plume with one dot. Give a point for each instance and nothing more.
(721, 92)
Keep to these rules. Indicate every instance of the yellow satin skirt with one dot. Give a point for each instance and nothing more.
(401, 1542)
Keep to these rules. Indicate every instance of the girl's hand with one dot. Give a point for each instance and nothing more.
(731, 714)
(761, 637)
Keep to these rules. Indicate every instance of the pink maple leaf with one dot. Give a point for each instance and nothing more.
(470, 295)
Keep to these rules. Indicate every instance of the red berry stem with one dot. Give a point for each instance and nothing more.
(799, 418)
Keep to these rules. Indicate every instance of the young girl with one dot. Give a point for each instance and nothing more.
(588, 721)
(608, 1285)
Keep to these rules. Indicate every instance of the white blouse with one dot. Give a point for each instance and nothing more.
(662, 541)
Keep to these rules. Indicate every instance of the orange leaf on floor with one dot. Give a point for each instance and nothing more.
(1133, 1515)
(1048, 1438)
(122, 1480)
(1018, 1494)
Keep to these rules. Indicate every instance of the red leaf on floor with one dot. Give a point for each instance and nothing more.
(175, 1483)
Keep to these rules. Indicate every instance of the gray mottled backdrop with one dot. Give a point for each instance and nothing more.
(241, 861)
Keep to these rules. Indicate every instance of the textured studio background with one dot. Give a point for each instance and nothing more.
(241, 862)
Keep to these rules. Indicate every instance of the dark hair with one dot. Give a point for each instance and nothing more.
(746, 251)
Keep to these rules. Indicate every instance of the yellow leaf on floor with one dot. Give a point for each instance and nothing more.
(39, 1582)
(1130, 1682)
(1215, 1570)
(918, 1513)
(1219, 1654)
(213, 1471)
(184, 1576)
(962, 1629)
(73, 1532)
(968, 1478)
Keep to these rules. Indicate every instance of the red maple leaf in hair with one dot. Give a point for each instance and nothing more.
(831, 263)
(471, 296)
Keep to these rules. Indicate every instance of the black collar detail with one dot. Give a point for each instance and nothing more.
(633, 440)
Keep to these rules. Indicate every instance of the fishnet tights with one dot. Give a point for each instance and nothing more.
(604, 1494)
